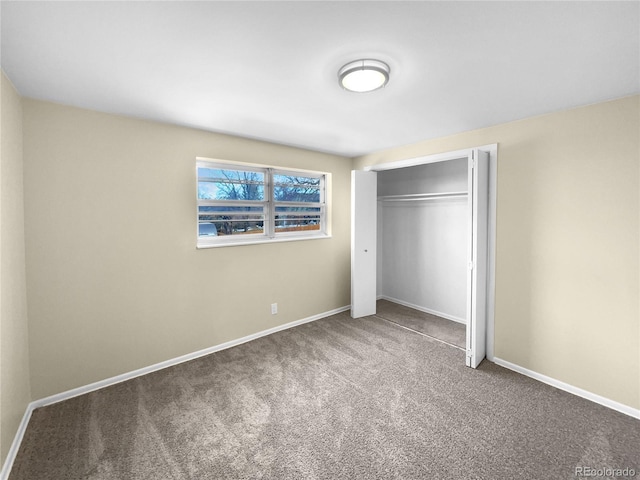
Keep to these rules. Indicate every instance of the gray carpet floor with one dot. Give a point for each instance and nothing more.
(453, 333)
(333, 399)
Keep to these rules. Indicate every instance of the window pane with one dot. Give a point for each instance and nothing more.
(287, 188)
(236, 200)
(224, 184)
(222, 220)
(296, 219)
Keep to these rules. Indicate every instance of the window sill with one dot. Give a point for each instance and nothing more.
(236, 243)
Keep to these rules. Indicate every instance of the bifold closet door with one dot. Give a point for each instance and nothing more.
(364, 237)
(478, 187)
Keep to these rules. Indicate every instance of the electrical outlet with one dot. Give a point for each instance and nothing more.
(274, 308)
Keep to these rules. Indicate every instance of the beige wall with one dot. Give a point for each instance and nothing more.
(115, 282)
(15, 392)
(568, 242)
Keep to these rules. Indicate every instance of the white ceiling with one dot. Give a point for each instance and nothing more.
(268, 70)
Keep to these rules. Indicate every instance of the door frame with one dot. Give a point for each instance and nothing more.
(492, 151)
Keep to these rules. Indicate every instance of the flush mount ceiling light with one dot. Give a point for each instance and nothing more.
(364, 75)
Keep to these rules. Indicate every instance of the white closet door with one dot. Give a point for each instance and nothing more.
(477, 277)
(364, 192)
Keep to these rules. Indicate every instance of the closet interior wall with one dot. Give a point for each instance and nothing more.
(423, 237)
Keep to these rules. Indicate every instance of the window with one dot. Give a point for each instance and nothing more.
(240, 204)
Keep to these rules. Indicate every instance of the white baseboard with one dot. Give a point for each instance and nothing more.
(15, 445)
(59, 397)
(423, 309)
(607, 402)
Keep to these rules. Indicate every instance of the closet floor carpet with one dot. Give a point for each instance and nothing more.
(337, 398)
(448, 331)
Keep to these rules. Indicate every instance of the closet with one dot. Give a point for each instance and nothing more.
(419, 239)
(422, 238)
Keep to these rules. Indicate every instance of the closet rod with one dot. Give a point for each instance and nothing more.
(420, 196)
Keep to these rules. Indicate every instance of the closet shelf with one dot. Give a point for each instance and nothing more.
(413, 197)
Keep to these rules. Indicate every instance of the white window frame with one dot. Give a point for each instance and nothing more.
(269, 234)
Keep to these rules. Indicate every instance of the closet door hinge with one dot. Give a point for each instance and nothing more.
(469, 354)
(470, 265)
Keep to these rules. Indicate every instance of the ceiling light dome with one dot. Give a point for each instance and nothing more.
(364, 75)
